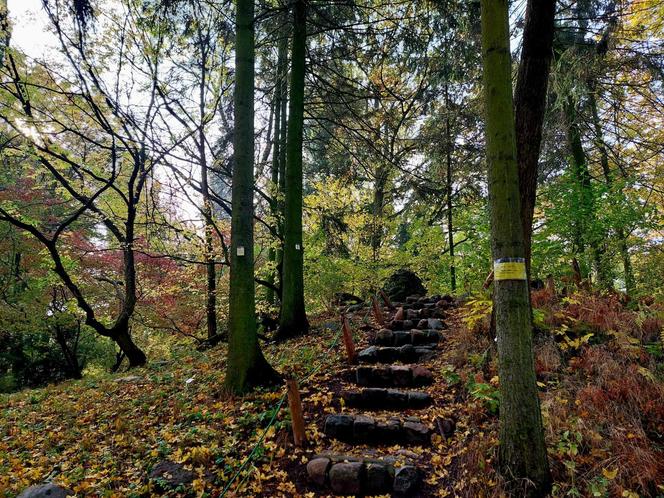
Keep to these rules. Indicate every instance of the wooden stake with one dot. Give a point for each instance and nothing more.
(488, 281)
(348, 341)
(378, 312)
(295, 404)
(386, 298)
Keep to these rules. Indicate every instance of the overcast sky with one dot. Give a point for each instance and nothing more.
(29, 26)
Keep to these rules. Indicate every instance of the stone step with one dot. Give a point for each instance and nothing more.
(388, 354)
(372, 398)
(364, 429)
(393, 376)
(416, 323)
(416, 337)
(348, 475)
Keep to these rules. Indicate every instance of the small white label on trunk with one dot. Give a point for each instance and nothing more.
(240, 251)
(297, 247)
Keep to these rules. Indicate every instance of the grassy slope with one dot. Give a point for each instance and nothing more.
(602, 403)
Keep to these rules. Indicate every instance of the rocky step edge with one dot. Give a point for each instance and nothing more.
(389, 354)
(415, 337)
(371, 398)
(348, 475)
(392, 376)
(416, 303)
(417, 323)
(363, 429)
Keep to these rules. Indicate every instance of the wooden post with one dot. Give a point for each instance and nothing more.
(386, 298)
(488, 281)
(378, 312)
(295, 404)
(348, 341)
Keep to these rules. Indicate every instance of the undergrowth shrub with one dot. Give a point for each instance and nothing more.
(600, 369)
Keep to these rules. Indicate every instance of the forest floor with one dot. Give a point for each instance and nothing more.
(600, 372)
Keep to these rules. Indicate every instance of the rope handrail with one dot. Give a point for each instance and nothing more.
(277, 408)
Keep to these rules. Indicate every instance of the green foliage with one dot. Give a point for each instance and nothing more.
(599, 486)
(485, 393)
(656, 349)
(339, 255)
(615, 212)
(539, 319)
(571, 339)
(449, 374)
(567, 448)
(478, 310)
(568, 444)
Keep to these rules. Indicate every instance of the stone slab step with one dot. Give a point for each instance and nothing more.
(347, 475)
(416, 337)
(417, 322)
(364, 429)
(389, 354)
(393, 376)
(386, 399)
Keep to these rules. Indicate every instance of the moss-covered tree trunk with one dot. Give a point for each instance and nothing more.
(246, 366)
(293, 319)
(522, 456)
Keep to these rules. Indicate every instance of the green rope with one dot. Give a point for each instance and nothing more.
(277, 408)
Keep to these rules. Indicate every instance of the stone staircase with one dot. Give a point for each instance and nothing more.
(387, 379)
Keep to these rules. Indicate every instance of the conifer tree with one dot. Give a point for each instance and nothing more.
(246, 366)
(522, 456)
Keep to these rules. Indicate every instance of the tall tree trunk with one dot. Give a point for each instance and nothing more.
(282, 162)
(210, 269)
(377, 211)
(448, 188)
(608, 178)
(586, 218)
(529, 106)
(280, 90)
(380, 181)
(274, 207)
(293, 320)
(246, 366)
(522, 455)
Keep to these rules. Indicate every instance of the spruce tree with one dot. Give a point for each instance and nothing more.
(293, 319)
(246, 366)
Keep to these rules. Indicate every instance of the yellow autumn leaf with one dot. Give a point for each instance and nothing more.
(610, 474)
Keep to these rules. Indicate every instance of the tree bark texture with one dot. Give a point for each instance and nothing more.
(293, 319)
(246, 366)
(529, 106)
(522, 455)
